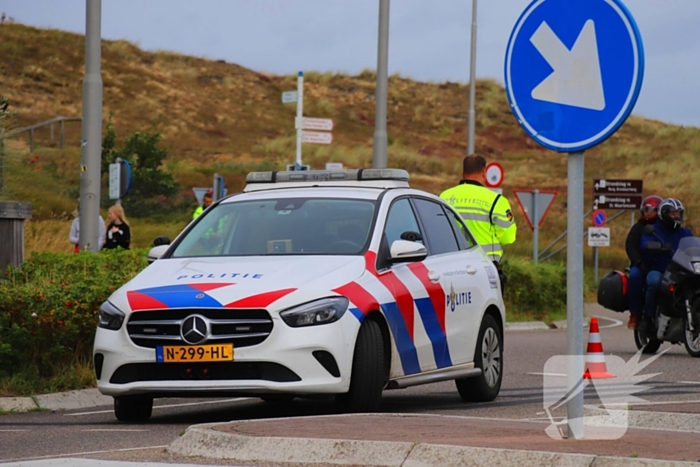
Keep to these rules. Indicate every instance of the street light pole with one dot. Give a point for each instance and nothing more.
(379, 148)
(472, 86)
(91, 140)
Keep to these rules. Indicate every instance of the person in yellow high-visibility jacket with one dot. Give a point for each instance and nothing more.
(486, 213)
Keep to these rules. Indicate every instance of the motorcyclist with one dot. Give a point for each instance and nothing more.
(649, 215)
(669, 232)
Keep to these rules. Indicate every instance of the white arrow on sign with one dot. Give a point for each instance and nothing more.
(324, 124)
(316, 137)
(576, 79)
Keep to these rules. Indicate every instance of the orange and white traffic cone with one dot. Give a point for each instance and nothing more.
(595, 358)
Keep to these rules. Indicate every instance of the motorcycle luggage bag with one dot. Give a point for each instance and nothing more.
(612, 291)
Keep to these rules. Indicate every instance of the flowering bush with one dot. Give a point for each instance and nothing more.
(48, 307)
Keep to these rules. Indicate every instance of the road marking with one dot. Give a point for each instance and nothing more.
(545, 374)
(85, 453)
(186, 404)
(12, 431)
(665, 402)
(615, 322)
(112, 429)
(689, 382)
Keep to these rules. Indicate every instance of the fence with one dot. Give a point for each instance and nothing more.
(61, 121)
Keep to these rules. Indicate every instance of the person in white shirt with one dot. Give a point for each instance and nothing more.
(74, 236)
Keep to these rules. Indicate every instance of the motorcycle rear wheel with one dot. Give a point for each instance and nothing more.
(691, 340)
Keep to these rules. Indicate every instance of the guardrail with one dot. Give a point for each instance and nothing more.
(61, 121)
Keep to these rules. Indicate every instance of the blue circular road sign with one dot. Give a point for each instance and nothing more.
(573, 71)
(599, 218)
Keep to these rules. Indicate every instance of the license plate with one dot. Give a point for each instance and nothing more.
(194, 353)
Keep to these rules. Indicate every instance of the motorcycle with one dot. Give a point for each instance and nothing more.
(677, 316)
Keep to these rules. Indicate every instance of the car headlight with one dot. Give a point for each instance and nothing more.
(696, 268)
(324, 311)
(109, 317)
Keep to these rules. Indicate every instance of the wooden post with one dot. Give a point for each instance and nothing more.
(31, 140)
(52, 136)
(12, 217)
(63, 133)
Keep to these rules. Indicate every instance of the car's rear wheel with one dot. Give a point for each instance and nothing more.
(368, 372)
(133, 408)
(489, 357)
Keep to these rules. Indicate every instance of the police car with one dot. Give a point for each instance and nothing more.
(343, 283)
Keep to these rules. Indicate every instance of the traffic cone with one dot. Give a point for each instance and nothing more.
(595, 358)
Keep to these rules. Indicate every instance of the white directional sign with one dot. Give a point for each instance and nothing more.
(290, 96)
(599, 236)
(323, 124)
(576, 78)
(316, 137)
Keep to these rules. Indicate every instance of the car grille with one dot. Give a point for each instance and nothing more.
(265, 371)
(242, 328)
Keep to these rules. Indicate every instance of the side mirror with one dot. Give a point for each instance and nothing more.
(162, 240)
(404, 251)
(648, 229)
(156, 252)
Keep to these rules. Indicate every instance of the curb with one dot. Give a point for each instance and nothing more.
(78, 399)
(526, 326)
(666, 421)
(206, 441)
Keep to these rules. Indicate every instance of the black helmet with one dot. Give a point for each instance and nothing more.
(671, 213)
(650, 204)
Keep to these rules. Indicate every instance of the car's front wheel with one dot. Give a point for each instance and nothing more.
(489, 357)
(133, 408)
(368, 372)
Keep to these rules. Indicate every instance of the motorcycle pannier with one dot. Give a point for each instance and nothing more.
(612, 291)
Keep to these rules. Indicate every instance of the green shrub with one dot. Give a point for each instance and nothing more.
(534, 291)
(48, 308)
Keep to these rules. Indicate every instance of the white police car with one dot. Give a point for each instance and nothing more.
(308, 283)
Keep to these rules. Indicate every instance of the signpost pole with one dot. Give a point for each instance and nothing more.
(300, 115)
(119, 200)
(595, 262)
(535, 227)
(632, 219)
(574, 295)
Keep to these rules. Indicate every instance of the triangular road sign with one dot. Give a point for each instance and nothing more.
(526, 199)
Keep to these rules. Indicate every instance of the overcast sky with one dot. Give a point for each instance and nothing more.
(429, 39)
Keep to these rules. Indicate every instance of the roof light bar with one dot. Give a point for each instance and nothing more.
(327, 175)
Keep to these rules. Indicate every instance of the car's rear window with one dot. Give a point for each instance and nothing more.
(287, 226)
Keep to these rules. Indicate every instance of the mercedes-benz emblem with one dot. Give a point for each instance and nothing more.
(194, 329)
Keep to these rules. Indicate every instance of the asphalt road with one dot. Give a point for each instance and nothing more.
(45, 434)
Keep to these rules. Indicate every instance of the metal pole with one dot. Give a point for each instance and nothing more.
(632, 219)
(595, 265)
(91, 128)
(63, 133)
(2, 168)
(472, 86)
(535, 227)
(574, 294)
(118, 161)
(379, 149)
(300, 116)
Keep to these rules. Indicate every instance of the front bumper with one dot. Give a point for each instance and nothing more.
(284, 363)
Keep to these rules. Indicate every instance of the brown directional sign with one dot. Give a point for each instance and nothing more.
(617, 202)
(617, 193)
(617, 187)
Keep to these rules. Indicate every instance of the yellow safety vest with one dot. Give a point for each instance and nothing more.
(197, 212)
(486, 213)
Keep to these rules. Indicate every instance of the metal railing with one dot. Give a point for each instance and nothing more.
(61, 121)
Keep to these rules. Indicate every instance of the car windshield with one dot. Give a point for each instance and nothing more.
(283, 226)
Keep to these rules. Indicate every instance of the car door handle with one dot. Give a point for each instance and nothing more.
(433, 276)
(471, 270)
